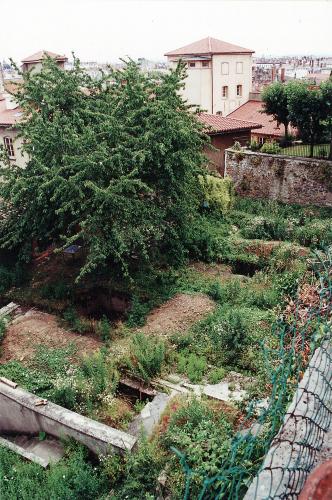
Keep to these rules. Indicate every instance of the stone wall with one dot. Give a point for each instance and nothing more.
(288, 179)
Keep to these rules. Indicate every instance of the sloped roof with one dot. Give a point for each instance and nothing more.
(9, 117)
(39, 56)
(218, 124)
(209, 46)
(252, 111)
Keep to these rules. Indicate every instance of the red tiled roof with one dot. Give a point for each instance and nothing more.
(39, 56)
(8, 117)
(209, 46)
(218, 124)
(251, 111)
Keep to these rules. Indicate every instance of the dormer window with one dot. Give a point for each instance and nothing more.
(9, 146)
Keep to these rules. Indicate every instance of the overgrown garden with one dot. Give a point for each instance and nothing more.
(117, 169)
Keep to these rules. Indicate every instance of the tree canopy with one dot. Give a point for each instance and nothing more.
(113, 166)
(275, 101)
(306, 107)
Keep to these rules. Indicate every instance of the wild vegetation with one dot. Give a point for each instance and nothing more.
(117, 170)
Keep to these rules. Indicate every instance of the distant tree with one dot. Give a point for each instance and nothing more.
(275, 99)
(306, 111)
(113, 166)
(326, 90)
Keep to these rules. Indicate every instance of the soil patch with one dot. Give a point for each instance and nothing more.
(178, 314)
(35, 328)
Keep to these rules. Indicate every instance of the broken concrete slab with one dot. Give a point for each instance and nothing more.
(220, 391)
(8, 309)
(150, 415)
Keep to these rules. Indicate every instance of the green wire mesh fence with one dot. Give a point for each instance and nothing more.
(271, 458)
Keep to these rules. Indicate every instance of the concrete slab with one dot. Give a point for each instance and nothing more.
(50, 450)
(150, 415)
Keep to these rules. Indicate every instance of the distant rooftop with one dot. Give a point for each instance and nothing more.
(217, 124)
(42, 54)
(209, 46)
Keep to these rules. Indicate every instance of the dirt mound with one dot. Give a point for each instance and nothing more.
(28, 331)
(178, 314)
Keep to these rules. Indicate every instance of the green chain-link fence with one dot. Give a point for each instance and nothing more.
(290, 431)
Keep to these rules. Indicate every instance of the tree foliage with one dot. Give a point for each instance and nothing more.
(306, 111)
(113, 166)
(275, 99)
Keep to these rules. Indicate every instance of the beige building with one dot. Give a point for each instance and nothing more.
(219, 74)
(10, 113)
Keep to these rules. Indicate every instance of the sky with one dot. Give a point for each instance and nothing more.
(106, 30)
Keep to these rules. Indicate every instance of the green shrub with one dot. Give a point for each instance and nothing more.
(76, 323)
(216, 375)
(147, 356)
(3, 327)
(271, 148)
(218, 193)
(57, 291)
(137, 313)
(141, 471)
(193, 366)
(104, 329)
(203, 438)
(254, 145)
(71, 478)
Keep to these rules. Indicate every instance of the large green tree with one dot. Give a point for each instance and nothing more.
(113, 166)
(307, 111)
(326, 90)
(275, 103)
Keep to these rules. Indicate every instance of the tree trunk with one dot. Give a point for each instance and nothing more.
(312, 143)
(286, 124)
(330, 153)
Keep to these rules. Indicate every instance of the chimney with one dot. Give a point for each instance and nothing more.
(10, 101)
(2, 85)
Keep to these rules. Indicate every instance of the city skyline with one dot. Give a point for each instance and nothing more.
(107, 30)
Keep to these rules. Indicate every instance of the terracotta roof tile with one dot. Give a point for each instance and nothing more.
(219, 124)
(39, 56)
(209, 46)
(252, 111)
(8, 117)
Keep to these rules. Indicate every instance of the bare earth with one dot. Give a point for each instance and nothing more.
(28, 331)
(178, 314)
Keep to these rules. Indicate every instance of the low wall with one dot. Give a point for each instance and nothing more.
(20, 413)
(288, 179)
(307, 424)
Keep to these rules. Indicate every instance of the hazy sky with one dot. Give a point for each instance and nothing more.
(105, 30)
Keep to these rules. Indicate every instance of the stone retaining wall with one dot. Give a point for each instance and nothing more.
(288, 179)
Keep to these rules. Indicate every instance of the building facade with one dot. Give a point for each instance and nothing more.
(10, 112)
(223, 132)
(219, 74)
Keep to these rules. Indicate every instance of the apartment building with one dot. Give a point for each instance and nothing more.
(219, 74)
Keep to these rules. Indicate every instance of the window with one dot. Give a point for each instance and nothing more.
(9, 146)
(261, 140)
(205, 64)
(239, 67)
(224, 91)
(239, 90)
(192, 64)
(224, 68)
